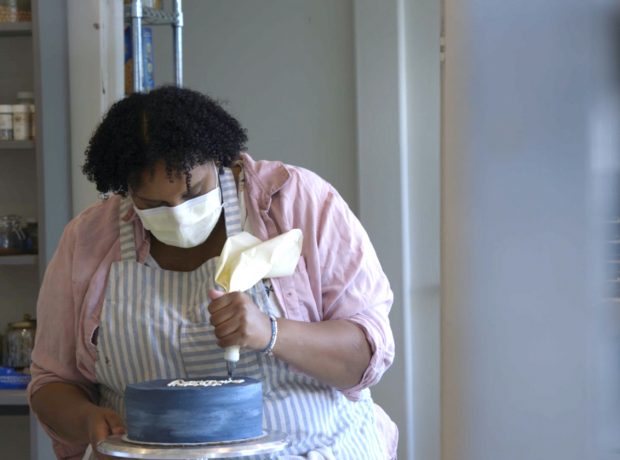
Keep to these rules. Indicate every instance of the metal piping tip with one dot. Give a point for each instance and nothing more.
(230, 367)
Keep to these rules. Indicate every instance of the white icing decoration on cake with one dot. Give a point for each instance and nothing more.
(202, 383)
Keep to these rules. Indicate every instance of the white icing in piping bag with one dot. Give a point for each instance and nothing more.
(245, 260)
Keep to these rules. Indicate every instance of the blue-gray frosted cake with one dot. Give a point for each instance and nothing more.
(203, 410)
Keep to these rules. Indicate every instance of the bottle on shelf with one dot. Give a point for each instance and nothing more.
(21, 122)
(12, 235)
(27, 97)
(18, 343)
(17, 120)
(24, 11)
(15, 11)
(8, 10)
(6, 122)
(148, 80)
(31, 243)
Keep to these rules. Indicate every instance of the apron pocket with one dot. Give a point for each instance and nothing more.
(201, 355)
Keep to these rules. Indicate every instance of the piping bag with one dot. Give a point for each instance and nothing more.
(245, 260)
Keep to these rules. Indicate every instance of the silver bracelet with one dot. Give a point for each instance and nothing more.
(268, 350)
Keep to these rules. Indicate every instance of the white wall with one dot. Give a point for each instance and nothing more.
(398, 74)
(420, 22)
(382, 187)
(285, 69)
(522, 79)
(95, 78)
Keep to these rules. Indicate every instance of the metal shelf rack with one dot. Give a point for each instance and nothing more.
(139, 15)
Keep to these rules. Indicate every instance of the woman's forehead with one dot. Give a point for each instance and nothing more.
(159, 176)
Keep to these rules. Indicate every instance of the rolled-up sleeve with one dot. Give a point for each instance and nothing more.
(54, 353)
(354, 286)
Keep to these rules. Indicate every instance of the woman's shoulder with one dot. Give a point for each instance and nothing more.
(99, 221)
(276, 176)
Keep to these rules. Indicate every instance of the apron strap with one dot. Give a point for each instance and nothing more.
(232, 212)
(128, 246)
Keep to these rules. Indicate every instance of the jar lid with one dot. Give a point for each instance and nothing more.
(26, 323)
(6, 108)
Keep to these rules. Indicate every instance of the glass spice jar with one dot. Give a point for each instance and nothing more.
(12, 235)
(8, 10)
(31, 244)
(21, 122)
(18, 343)
(27, 97)
(24, 11)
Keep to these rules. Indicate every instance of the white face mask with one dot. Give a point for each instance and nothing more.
(186, 225)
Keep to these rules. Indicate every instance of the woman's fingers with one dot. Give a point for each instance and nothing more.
(230, 340)
(101, 424)
(225, 328)
(215, 294)
(225, 313)
(238, 321)
(220, 300)
(115, 423)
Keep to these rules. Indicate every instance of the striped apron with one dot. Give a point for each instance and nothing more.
(155, 325)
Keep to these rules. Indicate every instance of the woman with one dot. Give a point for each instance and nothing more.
(107, 317)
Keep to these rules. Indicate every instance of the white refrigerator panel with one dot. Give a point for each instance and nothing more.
(524, 143)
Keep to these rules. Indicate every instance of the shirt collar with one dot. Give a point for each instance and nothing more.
(267, 178)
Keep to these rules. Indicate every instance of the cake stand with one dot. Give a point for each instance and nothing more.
(116, 446)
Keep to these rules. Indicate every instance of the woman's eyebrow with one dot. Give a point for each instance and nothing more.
(146, 199)
(192, 189)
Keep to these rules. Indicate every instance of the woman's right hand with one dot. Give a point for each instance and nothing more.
(101, 423)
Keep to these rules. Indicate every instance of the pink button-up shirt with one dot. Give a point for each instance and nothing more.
(338, 277)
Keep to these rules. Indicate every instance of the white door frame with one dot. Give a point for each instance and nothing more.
(398, 110)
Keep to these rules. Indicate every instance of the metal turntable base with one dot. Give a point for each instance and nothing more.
(116, 446)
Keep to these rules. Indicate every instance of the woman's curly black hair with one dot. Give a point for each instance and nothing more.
(181, 127)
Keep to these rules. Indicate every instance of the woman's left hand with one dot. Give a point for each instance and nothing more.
(238, 320)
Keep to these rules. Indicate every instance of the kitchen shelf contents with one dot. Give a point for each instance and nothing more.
(15, 11)
(11, 379)
(148, 81)
(6, 122)
(8, 11)
(18, 235)
(17, 120)
(34, 69)
(16, 134)
(21, 122)
(139, 13)
(16, 352)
